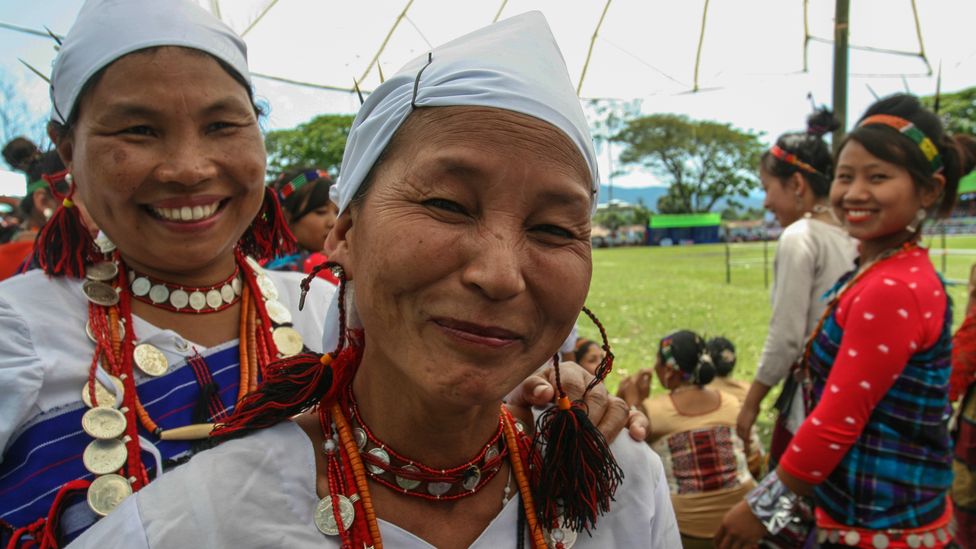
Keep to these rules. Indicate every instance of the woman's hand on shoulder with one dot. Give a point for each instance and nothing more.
(609, 413)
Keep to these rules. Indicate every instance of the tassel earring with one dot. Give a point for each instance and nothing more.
(64, 246)
(574, 471)
(916, 223)
(269, 235)
(295, 384)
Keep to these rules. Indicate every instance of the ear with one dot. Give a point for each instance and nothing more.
(43, 199)
(797, 184)
(930, 195)
(337, 241)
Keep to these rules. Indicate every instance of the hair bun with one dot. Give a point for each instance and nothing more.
(20, 152)
(966, 145)
(821, 122)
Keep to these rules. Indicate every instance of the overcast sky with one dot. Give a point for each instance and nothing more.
(751, 69)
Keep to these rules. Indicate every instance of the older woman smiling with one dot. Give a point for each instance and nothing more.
(465, 201)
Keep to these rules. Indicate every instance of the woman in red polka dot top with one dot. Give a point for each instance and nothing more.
(871, 464)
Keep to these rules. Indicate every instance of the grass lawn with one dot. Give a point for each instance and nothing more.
(643, 293)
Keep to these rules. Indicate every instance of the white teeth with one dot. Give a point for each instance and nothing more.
(858, 213)
(188, 213)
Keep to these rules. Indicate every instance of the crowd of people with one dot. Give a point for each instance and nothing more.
(193, 357)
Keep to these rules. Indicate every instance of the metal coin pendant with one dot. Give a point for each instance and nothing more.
(227, 294)
(928, 539)
(438, 489)
(360, 436)
(471, 478)
(100, 293)
(852, 537)
(288, 341)
(102, 393)
(102, 457)
(158, 293)
(383, 457)
(103, 423)
(561, 537)
(107, 492)
(491, 453)
(278, 313)
(150, 360)
(141, 286)
(914, 541)
(325, 519)
(102, 271)
(268, 289)
(91, 334)
(198, 301)
(879, 541)
(236, 286)
(179, 298)
(407, 483)
(255, 266)
(214, 299)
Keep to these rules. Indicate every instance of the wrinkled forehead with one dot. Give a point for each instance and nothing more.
(490, 128)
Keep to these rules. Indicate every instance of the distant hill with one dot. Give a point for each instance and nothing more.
(651, 194)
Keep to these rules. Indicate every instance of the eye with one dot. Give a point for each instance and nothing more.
(843, 177)
(444, 204)
(554, 230)
(218, 126)
(138, 130)
(878, 177)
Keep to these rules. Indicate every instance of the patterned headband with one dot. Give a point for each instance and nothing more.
(791, 158)
(667, 355)
(912, 132)
(300, 180)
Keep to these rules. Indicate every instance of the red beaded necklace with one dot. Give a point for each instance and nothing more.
(402, 474)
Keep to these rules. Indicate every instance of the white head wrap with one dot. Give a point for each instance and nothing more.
(513, 65)
(106, 30)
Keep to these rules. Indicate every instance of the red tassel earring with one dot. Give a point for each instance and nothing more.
(575, 474)
(269, 235)
(295, 384)
(63, 246)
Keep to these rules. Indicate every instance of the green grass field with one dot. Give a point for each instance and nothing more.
(643, 293)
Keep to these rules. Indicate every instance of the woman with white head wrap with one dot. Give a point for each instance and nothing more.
(466, 194)
(112, 346)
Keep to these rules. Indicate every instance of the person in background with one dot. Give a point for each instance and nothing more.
(588, 354)
(962, 390)
(693, 430)
(873, 459)
(304, 196)
(812, 253)
(722, 352)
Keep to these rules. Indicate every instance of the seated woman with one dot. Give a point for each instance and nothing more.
(304, 195)
(468, 185)
(693, 430)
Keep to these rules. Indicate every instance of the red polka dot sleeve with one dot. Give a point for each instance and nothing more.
(891, 313)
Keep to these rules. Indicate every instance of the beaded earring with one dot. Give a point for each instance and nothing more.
(574, 472)
(64, 245)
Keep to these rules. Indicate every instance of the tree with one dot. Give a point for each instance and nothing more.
(607, 117)
(702, 161)
(317, 143)
(957, 109)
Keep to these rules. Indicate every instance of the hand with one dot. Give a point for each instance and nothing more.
(609, 413)
(740, 529)
(743, 424)
(635, 388)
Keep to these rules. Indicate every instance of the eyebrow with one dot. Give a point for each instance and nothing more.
(470, 173)
(125, 109)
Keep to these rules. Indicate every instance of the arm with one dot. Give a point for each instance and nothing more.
(21, 373)
(882, 328)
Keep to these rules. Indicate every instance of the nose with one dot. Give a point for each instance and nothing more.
(495, 267)
(857, 190)
(186, 162)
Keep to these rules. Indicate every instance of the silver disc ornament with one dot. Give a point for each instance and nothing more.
(102, 271)
(103, 394)
(100, 293)
(105, 456)
(107, 492)
(288, 341)
(150, 360)
(103, 423)
(325, 519)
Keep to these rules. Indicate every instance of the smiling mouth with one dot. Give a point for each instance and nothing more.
(188, 214)
(858, 215)
(485, 335)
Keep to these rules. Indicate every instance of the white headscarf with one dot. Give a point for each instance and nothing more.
(513, 65)
(106, 30)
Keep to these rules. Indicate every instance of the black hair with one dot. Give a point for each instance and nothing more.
(19, 152)
(722, 353)
(309, 197)
(958, 153)
(583, 347)
(809, 147)
(61, 130)
(46, 164)
(690, 355)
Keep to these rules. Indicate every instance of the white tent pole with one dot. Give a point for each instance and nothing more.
(500, 10)
(260, 16)
(701, 41)
(385, 40)
(215, 8)
(589, 52)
